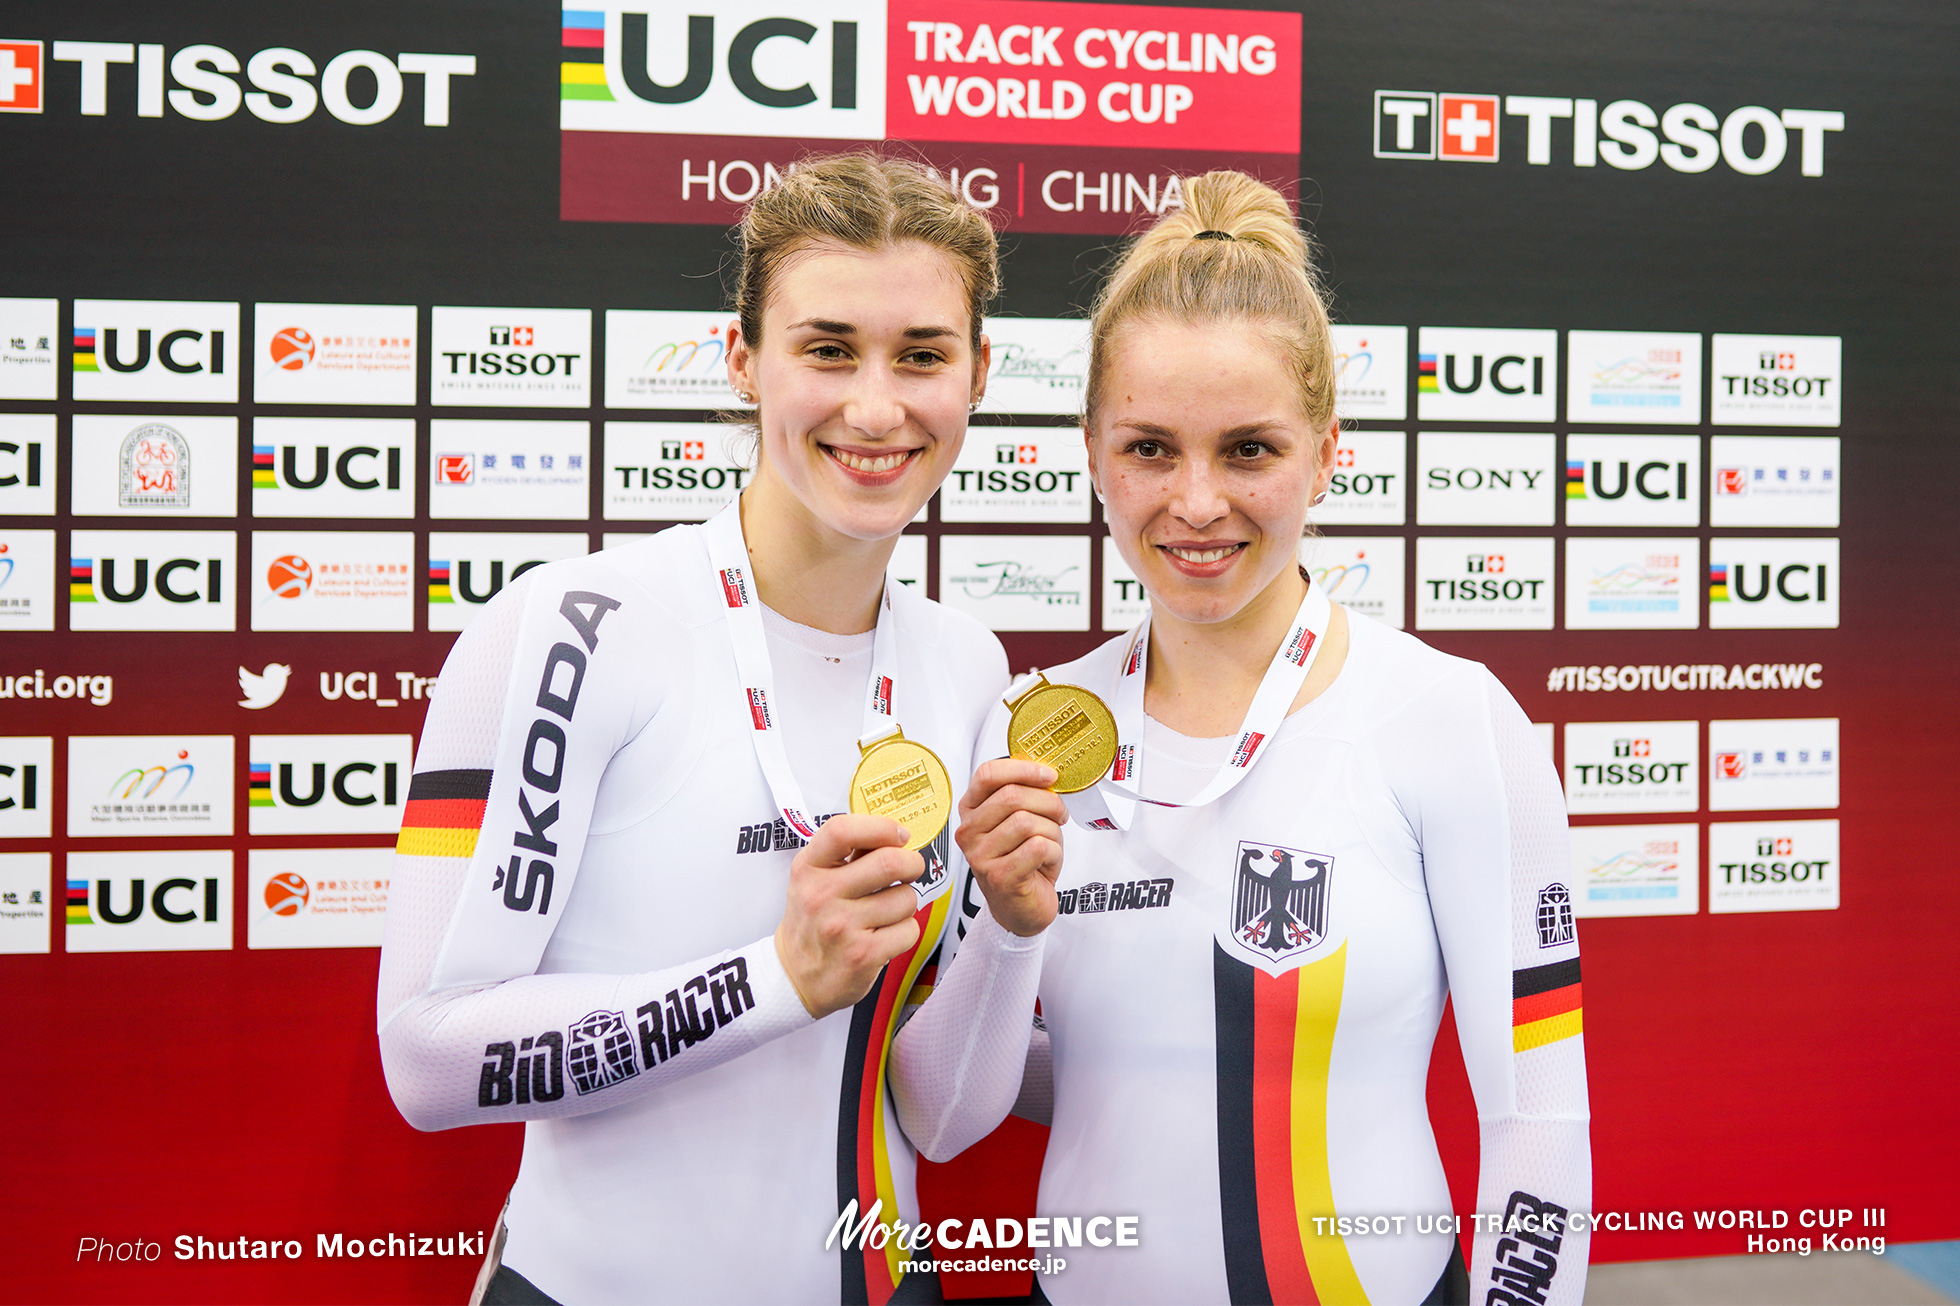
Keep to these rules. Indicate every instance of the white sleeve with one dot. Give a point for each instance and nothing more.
(957, 1065)
(538, 1046)
(1487, 808)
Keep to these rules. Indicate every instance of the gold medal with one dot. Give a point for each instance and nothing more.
(1066, 727)
(903, 779)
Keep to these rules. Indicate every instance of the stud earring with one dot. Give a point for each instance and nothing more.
(745, 396)
(973, 407)
(1318, 497)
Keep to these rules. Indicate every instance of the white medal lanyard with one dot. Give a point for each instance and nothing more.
(728, 555)
(1122, 790)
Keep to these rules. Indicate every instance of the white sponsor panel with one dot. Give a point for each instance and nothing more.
(27, 571)
(27, 464)
(1363, 573)
(317, 897)
(824, 83)
(152, 580)
(1770, 480)
(1123, 599)
(327, 784)
(1767, 583)
(26, 787)
(511, 470)
(663, 359)
(1486, 374)
(333, 580)
(672, 471)
(1018, 474)
(1776, 380)
(1370, 485)
(1632, 480)
(1644, 377)
(1632, 766)
(26, 902)
(154, 466)
(1772, 866)
(156, 350)
(469, 568)
(1040, 366)
(1773, 765)
(1644, 583)
(1485, 480)
(157, 901)
(1636, 870)
(1495, 583)
(1371, 376)
(511, 357)
(333, 467)
(124, 786)
(334, 353)
(29, 349)
(908, 562)
(1017, 582)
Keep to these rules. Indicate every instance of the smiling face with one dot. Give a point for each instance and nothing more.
(1207, 464)
(863, 376)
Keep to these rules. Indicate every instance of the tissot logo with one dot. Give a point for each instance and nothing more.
(203, 82)
(468, 569)
(511, 357)
(327, 784)
(1483, 584)
(1632, 766)
(1773, 866)
(1370, 483)
(1034, 476)
(160, 901)
(1624, 134)
(668, 471)
(333, 467)
(1776, 380)
(150, 580)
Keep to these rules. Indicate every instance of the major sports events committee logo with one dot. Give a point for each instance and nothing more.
(1467, 127)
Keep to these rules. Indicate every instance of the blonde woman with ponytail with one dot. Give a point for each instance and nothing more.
(1316, 830)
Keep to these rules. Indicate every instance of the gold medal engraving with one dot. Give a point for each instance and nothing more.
(903, 779)
(1066, 727)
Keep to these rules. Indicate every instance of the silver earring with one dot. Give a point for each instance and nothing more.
(745, 396)
(973, 407)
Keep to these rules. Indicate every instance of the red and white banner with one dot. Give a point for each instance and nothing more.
(1050, 116)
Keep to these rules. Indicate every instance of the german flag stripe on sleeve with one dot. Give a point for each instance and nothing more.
(1545, 1005)
(443, 813)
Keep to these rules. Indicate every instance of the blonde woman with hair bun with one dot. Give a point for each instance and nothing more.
(633, 907)
(1316, 830)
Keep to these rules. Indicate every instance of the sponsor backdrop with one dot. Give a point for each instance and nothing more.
(320, 325)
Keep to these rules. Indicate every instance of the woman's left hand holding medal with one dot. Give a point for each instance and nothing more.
(1011, 833)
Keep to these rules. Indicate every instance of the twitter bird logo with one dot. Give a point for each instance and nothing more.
(264, 688)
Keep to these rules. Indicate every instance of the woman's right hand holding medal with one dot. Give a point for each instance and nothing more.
(850, 910)
(1011, 833)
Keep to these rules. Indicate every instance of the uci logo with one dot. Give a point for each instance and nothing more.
(739, 56)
